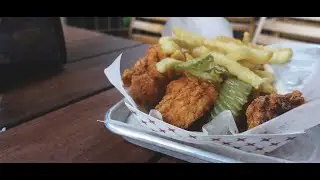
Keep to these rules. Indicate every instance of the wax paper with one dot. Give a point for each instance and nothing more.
(207, 26)
(222, 130)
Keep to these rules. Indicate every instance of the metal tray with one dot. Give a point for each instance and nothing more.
(120, 121)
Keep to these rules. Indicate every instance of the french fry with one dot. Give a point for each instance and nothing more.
(227, 39)
(188, 56)
(248, 64)
(168, 46)
(238, 54)
(255, 56)
(265, 74)
(208, 44)
(236, 69)
(178, 55)
(258, 67)
(219, 46)
(241, 58)
(165, 64)
(165, 38)
(281, 55)
(267, 88)
(198, 51)
(187, 39)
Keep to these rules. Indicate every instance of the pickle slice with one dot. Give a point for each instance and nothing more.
(233, 95)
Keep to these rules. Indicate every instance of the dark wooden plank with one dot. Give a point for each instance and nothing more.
(83, 44)
(119, 32)
(92, 45)
(168, 159)
(73, 33)
(95, 46)
(79, 80)
(71, 134)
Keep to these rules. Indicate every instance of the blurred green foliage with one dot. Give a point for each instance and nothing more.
(126, 21)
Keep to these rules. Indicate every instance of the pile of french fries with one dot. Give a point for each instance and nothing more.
(244, 60)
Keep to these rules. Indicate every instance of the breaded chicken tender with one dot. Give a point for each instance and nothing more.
(146, 84)
(265, 108)
(186, 100)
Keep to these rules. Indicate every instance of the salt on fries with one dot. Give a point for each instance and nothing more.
(241, 58)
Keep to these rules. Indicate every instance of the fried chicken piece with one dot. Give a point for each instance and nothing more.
(265, 108)
(186, 100)
(146, 64)
(146, 84)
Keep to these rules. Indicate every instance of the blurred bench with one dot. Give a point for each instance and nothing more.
(289, 29)
(241, 25)
(146, 29)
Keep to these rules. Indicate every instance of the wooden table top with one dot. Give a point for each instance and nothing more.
(59, 125)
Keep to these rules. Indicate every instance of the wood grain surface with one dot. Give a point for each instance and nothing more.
(79, 80)
(73, 33)
(54, 119)
(95, 46)
(71, 134)
(82, 44)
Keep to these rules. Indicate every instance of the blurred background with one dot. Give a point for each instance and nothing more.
(118, 26)
(268, 30)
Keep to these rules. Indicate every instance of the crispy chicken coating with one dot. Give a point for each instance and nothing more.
(265, 108)
(186, 100)
(146, 84)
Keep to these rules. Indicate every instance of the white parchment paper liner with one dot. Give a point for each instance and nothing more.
(222, 130)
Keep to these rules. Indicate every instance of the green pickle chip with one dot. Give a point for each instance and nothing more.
(233, 95)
